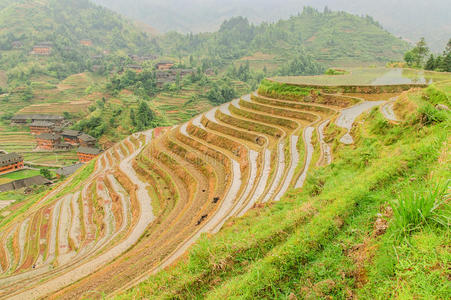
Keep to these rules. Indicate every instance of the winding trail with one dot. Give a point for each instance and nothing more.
(388, 112)
(349, 115)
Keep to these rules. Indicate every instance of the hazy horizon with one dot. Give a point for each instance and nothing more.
(408, 19)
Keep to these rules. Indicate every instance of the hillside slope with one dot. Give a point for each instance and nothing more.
(142, 204)
(64, 25)
(331, 37)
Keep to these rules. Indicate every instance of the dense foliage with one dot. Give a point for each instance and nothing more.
(63, 24)
(328, 36)
(418, 57)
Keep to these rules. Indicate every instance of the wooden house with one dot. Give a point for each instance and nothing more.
(48, 141)
(87, 43)
(86, 154)
(10, 162)
(39, 127)
(42, 49)
(164, 65)
(85, 140)
(71, 136)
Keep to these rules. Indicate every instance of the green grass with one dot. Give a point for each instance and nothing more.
(18, 175)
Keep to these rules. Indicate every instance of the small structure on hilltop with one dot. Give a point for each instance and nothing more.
(87, 43)
(17, 45)
(27, 118)
(39, 127)
(10, 162)
(42, 49)
(164, 65)
(86, 154)
(170, 76)
(136, 68)
(67, 171)
(24, 183)
(48, 141)
(138, 58)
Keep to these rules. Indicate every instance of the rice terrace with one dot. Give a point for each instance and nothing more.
(175, 156)
(146, 200)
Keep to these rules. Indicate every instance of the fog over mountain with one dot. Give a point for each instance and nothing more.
(410, 19)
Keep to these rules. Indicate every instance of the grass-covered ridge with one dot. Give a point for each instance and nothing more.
(344, 235)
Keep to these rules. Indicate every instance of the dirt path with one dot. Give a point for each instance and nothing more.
(388, 112)
(349, 115)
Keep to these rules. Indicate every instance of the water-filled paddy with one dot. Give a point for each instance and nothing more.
(370, 76)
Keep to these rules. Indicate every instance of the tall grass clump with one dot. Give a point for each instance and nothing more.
(430, 115)
(417, 206)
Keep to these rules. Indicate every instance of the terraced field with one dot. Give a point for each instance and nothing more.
(144, 202)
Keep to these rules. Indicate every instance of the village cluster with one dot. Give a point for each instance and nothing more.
(51, 135)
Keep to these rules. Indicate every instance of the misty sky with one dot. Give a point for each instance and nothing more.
(410, 19)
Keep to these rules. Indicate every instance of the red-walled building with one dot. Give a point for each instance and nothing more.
(39, 127)
(42, 49)
(10, 162)
(48, 141)
(86, 154)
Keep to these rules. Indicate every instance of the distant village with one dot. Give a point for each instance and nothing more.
(51, 135)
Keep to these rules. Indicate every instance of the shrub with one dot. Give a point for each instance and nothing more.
(430, 115)
(420, 205)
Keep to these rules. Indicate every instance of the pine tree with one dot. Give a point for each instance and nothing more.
(431, 63)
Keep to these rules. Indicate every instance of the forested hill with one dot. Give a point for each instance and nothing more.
(64, 24)
(331, 37)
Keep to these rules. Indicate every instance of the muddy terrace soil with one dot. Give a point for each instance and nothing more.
(150, 197)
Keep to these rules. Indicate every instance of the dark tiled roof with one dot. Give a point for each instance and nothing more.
(23, 183)
(42, 124)
(70, 132)
(11, 158)
(86, 138)
(87, 150)
(49, 136)
(67, 171)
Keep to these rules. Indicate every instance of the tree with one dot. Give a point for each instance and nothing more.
(46, 173)
(417, 56)
(144, 117)
(431, 63)
(448, 47)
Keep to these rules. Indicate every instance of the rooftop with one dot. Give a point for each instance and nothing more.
(87, 150)
(86, 138)
(49, 136)
(42, 124)
(67, 171)
(11, 158)
(70, 132)
(23, 183)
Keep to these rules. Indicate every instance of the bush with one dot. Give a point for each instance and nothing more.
(430, 115)
(422, 204)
